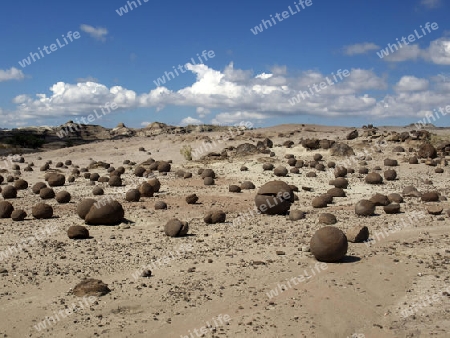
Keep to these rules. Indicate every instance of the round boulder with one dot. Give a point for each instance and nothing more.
(365, 208)
(18, 215)
(42, 211)
(110, 213)
(84, 206)
(329, 244)
(374, 178)
(274, 198)
(6, 209)
(215, 216)
(133, 195)
(78, 232)
(63, 197)
(176, 228)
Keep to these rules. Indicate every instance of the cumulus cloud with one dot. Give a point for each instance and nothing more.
(241, 95)
(98, 33)
(438, 52)
(190, 120)
(11, 74)
(360, 48)
(410, 84)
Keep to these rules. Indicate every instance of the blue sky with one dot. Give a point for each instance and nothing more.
(117, 61)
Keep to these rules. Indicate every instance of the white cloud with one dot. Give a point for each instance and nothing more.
(145, 124)
(98, 33)
(190, 120)
(431, 3)
(439, 51)
(411, 83)
(11, 74)
(360, 48)
(248, 98)
(202, 111)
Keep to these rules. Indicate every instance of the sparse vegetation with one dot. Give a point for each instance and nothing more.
(186, 151)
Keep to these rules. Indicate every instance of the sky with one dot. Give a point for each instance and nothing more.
(345, 63)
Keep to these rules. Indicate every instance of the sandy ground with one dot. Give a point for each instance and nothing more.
(229, 270)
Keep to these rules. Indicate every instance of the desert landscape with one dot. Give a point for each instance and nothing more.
(121, 266)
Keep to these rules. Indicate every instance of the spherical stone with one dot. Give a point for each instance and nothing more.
(163, 167)
(215, 216)
(77, 232)
(18, 215)
(327, 218)
(329, 244)
(111, 213)
(340, 171)
(56, 180)
(268, 166)
(192, 199)
(374, 178)
(208, 173)
(37, 187)
(63, 197)
(94, 177)
(390, 175)
(103, 179)
(340, 182)
(392, 208)
(274, 198)
(299, 163)
(155, 183)
(438, 170)
(291, 161)
(318, 157)
(6, 209)
(234, 188)
(319, 202)
(176, 228)
(97, 191)
(294, 170)
(364, 208)
(413, 160)
(115, 181)
(280, 171)
(427, 151)
(244, 168)
(42, 211)
(388, 162)
(187, 175)
(358, 234)
(160, 205)
(435, 209)
(84, 206)
(379, 200)
(247, 185)
(91, 287)
(208, 181)
(146, 189)
(394, 197)
(363, 171)
(9, 191)
(430, 196)
(21, 184)
(295, 215)
(139, 171)
(46, 193)
(336, 192)
(132, 195)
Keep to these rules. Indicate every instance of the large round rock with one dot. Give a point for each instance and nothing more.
(110, 213)
(274, 198)
(176, 228)
(42, 211)
(329, 244)
(365, 208)
(56, 180)
(9, 192)
(78, 232)
(6, 209)
(84, 206)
